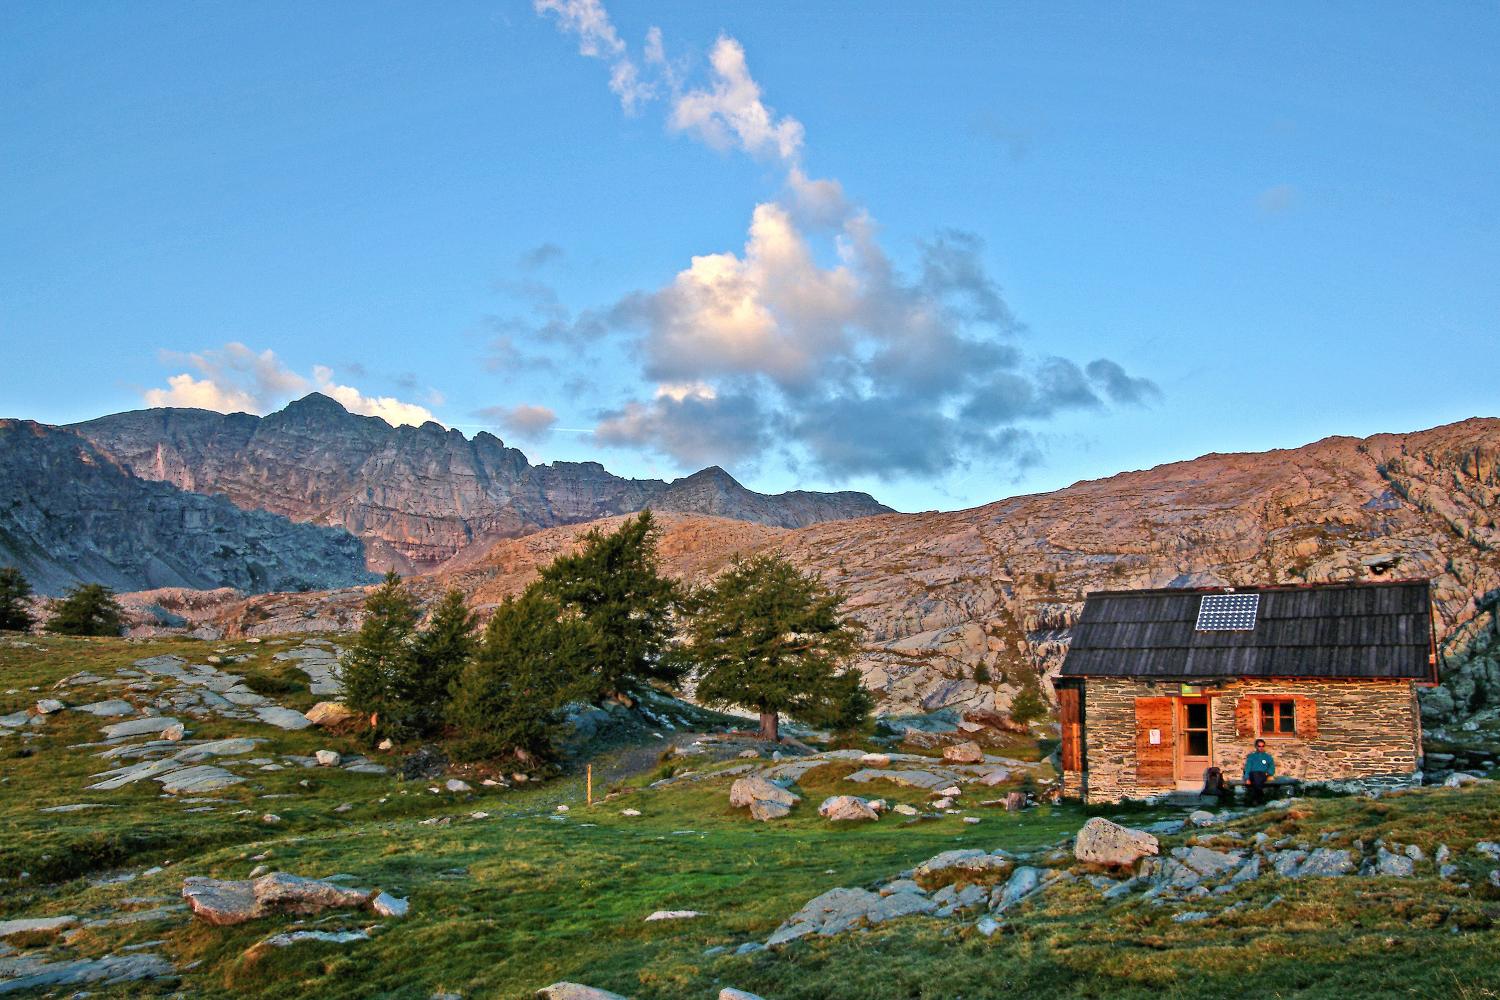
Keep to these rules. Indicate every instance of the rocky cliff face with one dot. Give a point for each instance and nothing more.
(964, 607)
(70, 513)
(416, 495)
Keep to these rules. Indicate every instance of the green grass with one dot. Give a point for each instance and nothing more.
(503, 905)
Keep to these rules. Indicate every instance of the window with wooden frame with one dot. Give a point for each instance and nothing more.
(1278, 717)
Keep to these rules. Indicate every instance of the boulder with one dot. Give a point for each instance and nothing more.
(575, 991)
(106, 709)
(235, 901)
(846, 808)
(174, 733)
(49, 705)
(1102, 842)
(424, 764)
(1015, 801)
(330, 713)
(998, 776)
(730, 993)
(674, 915)
(1202, 817)
(964, 753)
(328, 758)
(765, 799)
(747, 790)
(1395, 865)
(875, 760)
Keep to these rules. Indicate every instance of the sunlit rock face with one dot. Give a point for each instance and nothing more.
(416, 495)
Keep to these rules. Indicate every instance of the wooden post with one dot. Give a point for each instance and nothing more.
(591, 784)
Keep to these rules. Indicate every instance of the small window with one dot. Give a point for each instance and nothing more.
(1278, 717)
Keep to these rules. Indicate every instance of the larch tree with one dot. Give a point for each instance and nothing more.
(613, 584)
(376, 669)
(15, 597)
(530, 662)
(766, 636)
(87, 609)
(439, 652)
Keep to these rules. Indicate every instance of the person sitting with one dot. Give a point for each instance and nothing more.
(1214, 785)
(1259, 768)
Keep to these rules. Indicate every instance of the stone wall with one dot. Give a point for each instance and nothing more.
(1365, 729)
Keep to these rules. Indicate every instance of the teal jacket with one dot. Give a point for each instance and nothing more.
(1259, 761)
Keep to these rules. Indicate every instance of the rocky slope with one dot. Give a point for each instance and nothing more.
(70, 513)
(416, 495)
(962, 607)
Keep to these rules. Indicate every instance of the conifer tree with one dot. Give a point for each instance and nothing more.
(15, 592)
(377, 668)
(87, 609)
(769, 637)
(439, 652)
(614, 586)
(530, 662)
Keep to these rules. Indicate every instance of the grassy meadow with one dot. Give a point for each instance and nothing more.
(523, 895)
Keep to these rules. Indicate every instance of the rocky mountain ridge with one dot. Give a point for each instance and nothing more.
(69, 513)
(417, 496)
(962, 608)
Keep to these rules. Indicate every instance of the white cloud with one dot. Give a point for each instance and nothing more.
(597, 39)
(810, 340)
(388, 408)
(234, 378)
(201, 394)
(524, 420)
(731, 113)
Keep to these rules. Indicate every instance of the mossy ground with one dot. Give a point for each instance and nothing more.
(505, 904)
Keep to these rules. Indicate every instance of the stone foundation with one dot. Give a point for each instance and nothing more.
(1366, 730)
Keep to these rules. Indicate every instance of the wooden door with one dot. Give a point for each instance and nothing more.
(1194, 741)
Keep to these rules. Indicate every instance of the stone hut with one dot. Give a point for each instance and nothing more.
(1160, 685)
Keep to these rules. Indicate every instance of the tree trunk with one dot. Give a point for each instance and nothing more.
(768, 730)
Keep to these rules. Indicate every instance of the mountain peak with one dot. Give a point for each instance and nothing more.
(713, 474)
(315, 403)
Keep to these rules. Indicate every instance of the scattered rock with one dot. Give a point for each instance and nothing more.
(1102, 842)
(281, 718)
(139, 727)
(765, 799)
(328, 758)
(459, 785)
(875, 760)
(904, 809)
(730, 993)
(630, 812)
(47, 706)
(1202, 817)
(575, 991)
(36, 924)
(987, 926)
(674, 915)
(227, 902)
(1022, 883)
(1386, 863)
(28, 973)
(846, 808)
(964, 753)
(330, 713)
(386, 905)
(838, 910)
(969, 859)
(288, 938)
(108, 709)
(998, 776)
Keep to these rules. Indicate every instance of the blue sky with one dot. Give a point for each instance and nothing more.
(943, 255)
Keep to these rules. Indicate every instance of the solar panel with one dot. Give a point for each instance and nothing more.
(1227, 612)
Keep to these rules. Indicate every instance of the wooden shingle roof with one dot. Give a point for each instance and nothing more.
(1331, 630)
